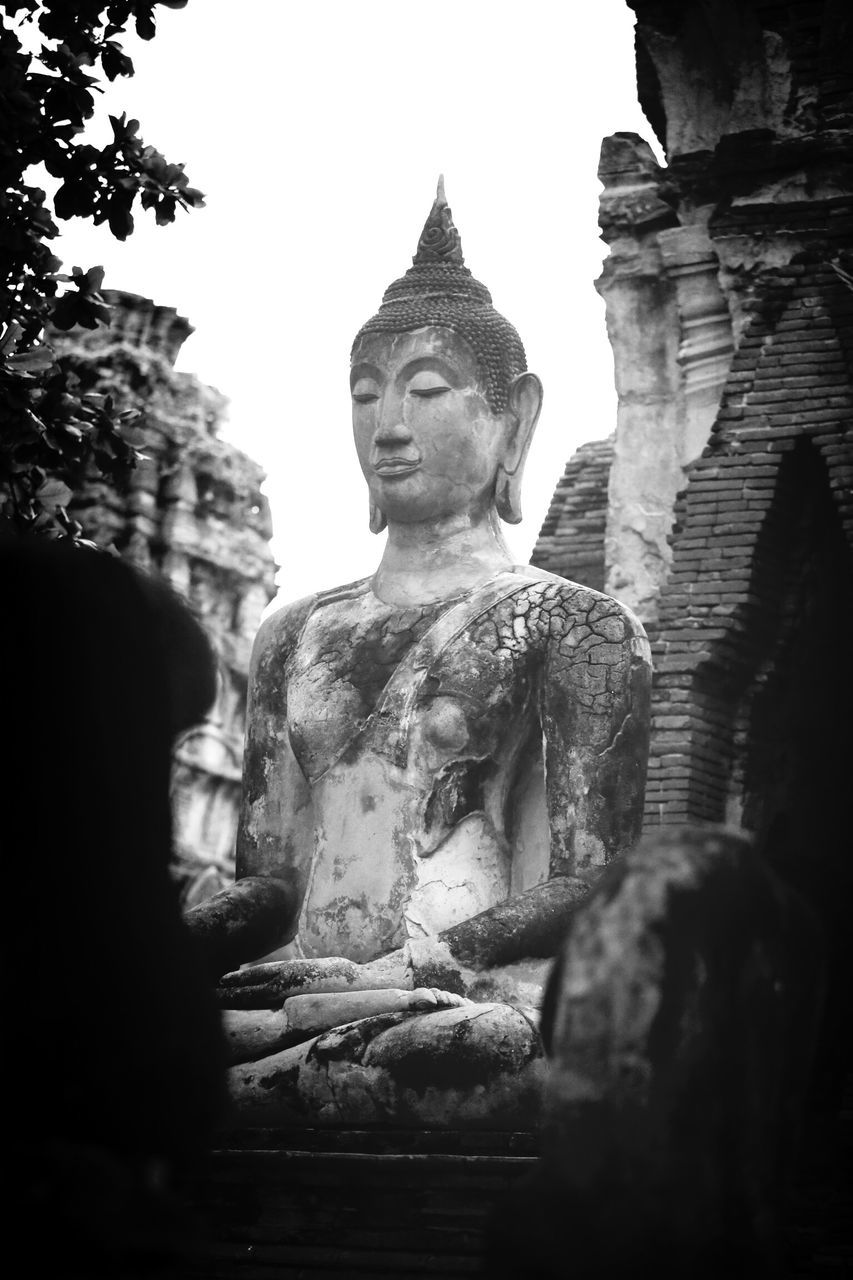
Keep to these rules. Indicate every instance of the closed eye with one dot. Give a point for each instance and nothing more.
(426, 393)
(364, 397)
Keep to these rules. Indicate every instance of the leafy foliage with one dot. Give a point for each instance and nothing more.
(51, 431)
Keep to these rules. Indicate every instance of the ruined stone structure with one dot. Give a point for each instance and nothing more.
(194, 514)
(571, 540)
(729, 308)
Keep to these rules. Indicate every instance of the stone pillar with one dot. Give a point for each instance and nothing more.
(671, 334)
(642, 324)
(706, 345)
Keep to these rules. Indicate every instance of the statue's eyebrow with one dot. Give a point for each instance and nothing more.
(433, 364)
(364, 370)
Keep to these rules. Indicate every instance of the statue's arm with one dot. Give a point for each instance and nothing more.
(594, 710)
(274, 840)
(275, 831)
(595, 713)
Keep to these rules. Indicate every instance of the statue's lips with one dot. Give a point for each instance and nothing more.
(396, 466)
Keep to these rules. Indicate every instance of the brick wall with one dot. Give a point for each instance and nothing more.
(571, 540)
(791, 382)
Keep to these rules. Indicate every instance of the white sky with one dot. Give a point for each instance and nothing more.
(317, 131)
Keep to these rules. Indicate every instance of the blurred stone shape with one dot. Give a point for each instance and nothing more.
(193, 514)
(680, 1023)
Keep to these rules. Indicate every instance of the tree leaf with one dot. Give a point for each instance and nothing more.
(54, 493)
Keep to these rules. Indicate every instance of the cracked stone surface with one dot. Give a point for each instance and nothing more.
(513, 755)
(442, 758)
(454, 1067)
(445, 782)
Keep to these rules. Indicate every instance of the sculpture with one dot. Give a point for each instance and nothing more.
(439, 758)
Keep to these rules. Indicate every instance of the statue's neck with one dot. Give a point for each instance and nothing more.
(439, 559)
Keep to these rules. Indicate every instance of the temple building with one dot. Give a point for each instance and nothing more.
(722, 508)
(193, 513)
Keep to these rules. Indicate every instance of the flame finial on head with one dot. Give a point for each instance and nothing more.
(439, 240)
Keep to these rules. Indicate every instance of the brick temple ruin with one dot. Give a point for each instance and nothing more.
(192, 513)
(722, 509)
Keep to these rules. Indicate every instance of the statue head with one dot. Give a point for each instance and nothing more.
(435, 360)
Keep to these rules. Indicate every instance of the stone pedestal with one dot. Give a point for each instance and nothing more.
(273, 1205)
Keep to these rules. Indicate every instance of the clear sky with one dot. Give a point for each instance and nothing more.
(317, 131)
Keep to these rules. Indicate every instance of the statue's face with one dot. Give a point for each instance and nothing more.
(428, 443)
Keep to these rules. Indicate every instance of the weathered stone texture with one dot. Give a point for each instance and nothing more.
(480, 1065)
(728, 294)
(752, 103)
(192, 513)
(435, 798)
(671, 332)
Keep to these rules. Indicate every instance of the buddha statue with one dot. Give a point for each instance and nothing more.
(440, 757)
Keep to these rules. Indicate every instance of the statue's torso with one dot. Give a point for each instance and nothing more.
(423, 754)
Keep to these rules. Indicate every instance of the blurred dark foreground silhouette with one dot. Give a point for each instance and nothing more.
(682, 1020)
(113, 1066)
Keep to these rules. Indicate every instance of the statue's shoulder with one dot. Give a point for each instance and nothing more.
(279, 633)
(578, 600)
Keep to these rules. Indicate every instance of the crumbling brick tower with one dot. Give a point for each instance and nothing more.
(753, 104)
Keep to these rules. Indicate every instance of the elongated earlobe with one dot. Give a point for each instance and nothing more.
(377, 518)
(508, 496)
(525, 402)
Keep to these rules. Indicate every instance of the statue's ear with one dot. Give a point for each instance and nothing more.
(377, 518)
(522, 413)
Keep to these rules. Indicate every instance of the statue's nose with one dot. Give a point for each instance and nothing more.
(392, 431)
